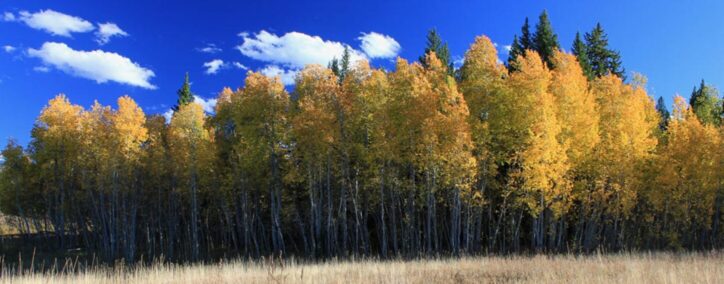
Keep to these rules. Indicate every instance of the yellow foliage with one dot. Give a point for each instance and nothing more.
(128, 123)
(628, 122)
(543, 159)
(687, 168)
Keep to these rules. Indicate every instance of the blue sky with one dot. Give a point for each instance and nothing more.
(100, 50)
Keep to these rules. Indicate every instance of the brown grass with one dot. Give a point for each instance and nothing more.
(615, 268)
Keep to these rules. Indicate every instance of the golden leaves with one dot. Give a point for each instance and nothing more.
(687, 168)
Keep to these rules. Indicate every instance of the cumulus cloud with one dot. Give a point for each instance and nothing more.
(507, 48)
(97, 65)
(108, 30)
(293, 50)
(287, 76)
(290, 52)
(209, 48)
(213, 66)
(377, 45)
(209, 105)
(9, 48)
(53, 22)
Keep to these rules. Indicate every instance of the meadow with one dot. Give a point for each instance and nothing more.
(596, 268)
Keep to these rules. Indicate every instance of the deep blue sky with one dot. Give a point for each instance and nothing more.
(675, 44)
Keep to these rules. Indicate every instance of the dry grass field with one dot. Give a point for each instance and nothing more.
(614, 268)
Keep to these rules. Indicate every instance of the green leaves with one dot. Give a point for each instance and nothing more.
(603, 60)
(185, 96)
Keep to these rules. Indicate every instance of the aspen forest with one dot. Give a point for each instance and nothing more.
(554, 150)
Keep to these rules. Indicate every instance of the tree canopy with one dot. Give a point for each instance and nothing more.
(550, 154)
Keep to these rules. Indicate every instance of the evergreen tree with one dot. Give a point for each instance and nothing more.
(516, 49)
(526, 41)
(602, 59)
(185, 96)
(706, 104)
(581, 52)
(334, 66)
(545, 39)
(664, 112)
(340, 67)
(435, 44)
(520, 45)
(344, 64)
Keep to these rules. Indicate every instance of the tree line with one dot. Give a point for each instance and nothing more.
(550, 152)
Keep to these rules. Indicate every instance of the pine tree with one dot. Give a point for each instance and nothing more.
(526, 40)
(581, 52)
(185, 96)
(664, 112)
(334, 66)
(344, 64)
(516, 50)
(603, 60)
(340, 68)
(545, 39)
(520, 45)
(435, 44)
(706, 104)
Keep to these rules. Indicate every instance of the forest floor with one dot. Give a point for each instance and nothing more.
(611, 268)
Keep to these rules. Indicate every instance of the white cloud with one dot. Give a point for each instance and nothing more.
(287, 76)
(41, 69)
(53, 22)
(8, 17)
(108, 30)
(507, 47)
(213, 66)
(97, 65)
(9, 48)
(243, 34)
(209, 48)
(168, 115)
(294, 49)
(240, 66)
(458, 61)
(378, 45)
(209, 105)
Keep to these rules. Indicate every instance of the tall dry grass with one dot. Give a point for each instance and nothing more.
(613, 268)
